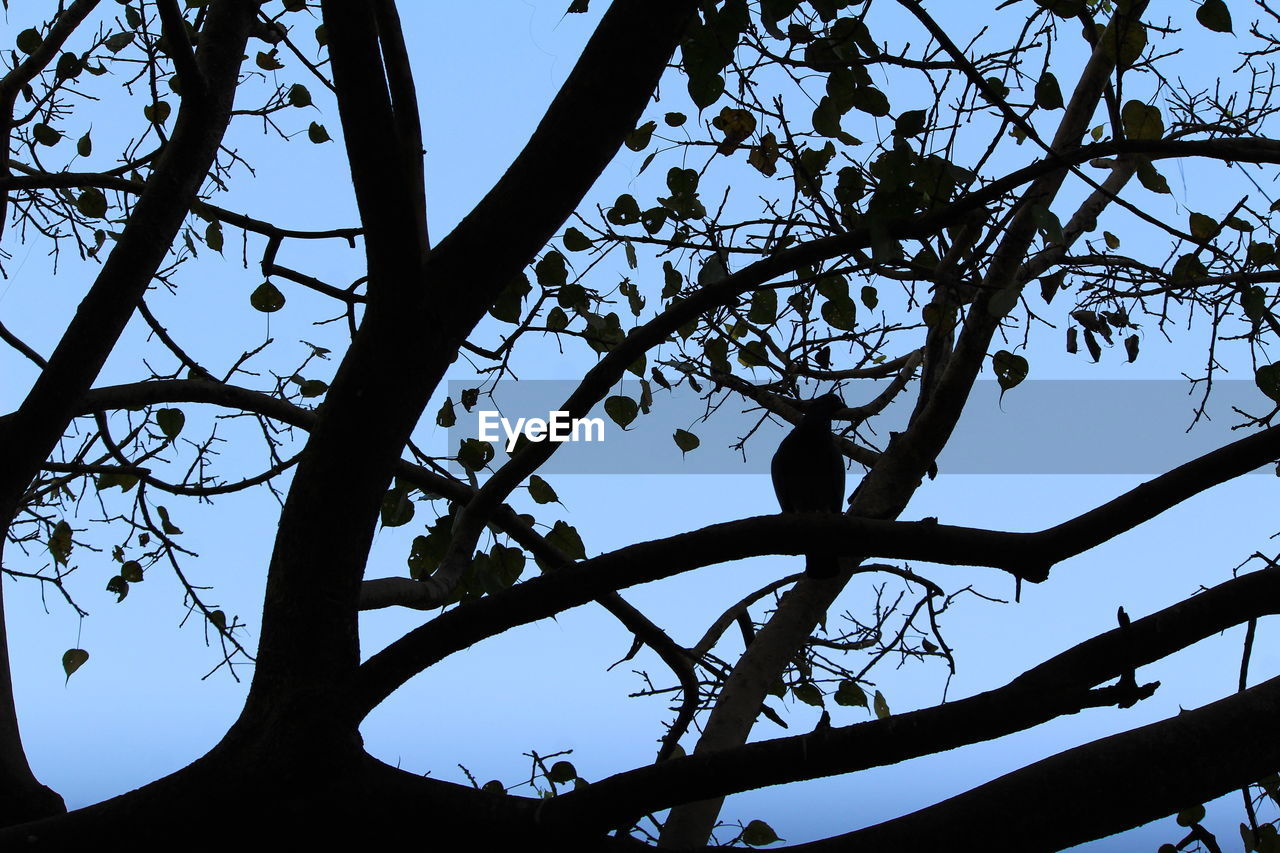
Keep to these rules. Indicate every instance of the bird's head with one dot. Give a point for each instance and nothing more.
(824, 406)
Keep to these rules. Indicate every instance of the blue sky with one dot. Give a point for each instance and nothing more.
(139, 708)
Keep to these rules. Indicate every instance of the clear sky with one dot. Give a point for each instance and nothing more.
(139, 708)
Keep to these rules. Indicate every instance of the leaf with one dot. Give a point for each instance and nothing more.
(131, 571)
(808, 693)
(840, 313)
(1048, 223)
(1202, 227)
(1124, 40)
(638, 139)
(84, 146)
(1260, 253)
(45, 135)
(575, 241)
(1150, 178)
(562, 771)
(625, 211)
(170, 422)
(397, 508)
(267, 298)
(73, 659)
(119, 587)
(541, 492)
(675, 119)
(446, 417)
(1142, 122)
(910, 123)
(117, 478)
(737, 125)
(474, 454)
(757, 833)
(29, 40)
(1091, 343)
(507, 307)
(870, 100)
(622, 410)
(60, 542)
(564, 537)
(1131, 348)
(572, 296)
(764, 307)
(1267, 378)
(1010, 369)
(268, 61)
(1113, 242)
(1051, 284)
(69, 67)
(165, 524)
(1214, 15)
(850, 695)
(1004, 300)
(1188, 268)
(157, 113)
(686, 441)
(705, 89)
(213, 236)
(218, 619)
(119, 41)
(1254, 303)
(764, 157)
(316, 133)
(299, 96)
(92, 203)
(880, 705)
(1191, 816)
(1048, 92)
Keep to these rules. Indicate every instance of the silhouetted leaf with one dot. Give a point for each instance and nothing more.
(60, 542)
(1010, 369)
(757, 833)
(170, 422)
(1048, 93)
(1267, 378)
(622, 410)
(73, 659)
(267, 298)
(850, 694)
(1214, 15)
(92, 203)
(686, 441)
(541, 492)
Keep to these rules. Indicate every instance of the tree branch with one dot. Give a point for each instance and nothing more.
(1060, 685)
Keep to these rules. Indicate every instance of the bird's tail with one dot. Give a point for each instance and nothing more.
(822, 565)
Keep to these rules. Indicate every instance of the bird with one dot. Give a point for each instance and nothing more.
(808, 474)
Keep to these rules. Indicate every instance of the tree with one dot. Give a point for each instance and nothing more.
(969, 212)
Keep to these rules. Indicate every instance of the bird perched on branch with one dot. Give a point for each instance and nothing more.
(808, 474)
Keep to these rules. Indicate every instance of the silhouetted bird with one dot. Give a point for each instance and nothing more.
(808, 474)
